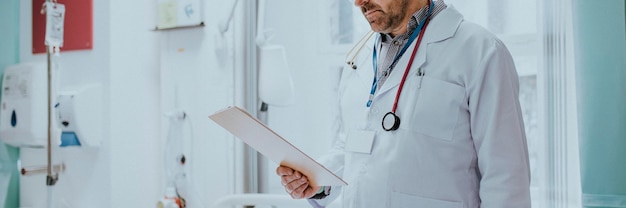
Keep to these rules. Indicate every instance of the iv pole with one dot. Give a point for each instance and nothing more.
(51, 170)
(51, 178)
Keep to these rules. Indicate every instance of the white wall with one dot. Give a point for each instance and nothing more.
(194, 80)
(308, 122)
(134, 104)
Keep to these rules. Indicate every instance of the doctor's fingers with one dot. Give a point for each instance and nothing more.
(284, 170)
(296, 185)
(286, 179)
(301, 191)
(309, 191)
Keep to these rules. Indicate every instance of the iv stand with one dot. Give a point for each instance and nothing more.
(51, 170)
(51, 179)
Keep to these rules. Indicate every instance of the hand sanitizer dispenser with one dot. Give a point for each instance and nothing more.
(79, 114)
(23, 113)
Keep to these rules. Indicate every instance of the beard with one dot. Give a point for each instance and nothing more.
(385, 20)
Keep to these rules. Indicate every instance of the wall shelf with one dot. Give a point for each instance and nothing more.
(179, 27)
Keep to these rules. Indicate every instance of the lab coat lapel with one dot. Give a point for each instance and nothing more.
(441, 27)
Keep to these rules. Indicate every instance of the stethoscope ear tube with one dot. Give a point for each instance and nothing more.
(358, 46)
(391, 122)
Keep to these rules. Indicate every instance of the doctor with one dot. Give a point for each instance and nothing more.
(430, 117)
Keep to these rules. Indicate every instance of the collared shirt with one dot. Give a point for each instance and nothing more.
(391, 46)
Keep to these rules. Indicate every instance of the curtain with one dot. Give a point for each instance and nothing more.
(600, 50)
(9, 54)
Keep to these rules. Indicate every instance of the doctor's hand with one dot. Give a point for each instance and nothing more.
(296, 184)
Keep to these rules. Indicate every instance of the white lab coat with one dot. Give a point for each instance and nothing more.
(461, 141)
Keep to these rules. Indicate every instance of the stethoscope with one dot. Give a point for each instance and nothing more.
(361, 43)
(391, 121)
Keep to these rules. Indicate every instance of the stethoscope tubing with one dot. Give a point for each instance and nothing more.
(396, 119)
(362, 44)
(408, 67)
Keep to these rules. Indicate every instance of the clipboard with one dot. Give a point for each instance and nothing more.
(264, 140)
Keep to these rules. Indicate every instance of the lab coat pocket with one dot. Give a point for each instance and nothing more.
(437, 107)
(357, 153)
(402, 200)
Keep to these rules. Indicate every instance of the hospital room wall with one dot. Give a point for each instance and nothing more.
(134, 104)
(123, 171)
(9, 47)
(198, 75)
(315, 68)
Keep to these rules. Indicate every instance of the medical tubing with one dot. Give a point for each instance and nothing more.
(181, 177)
(190, 149)
(225, 24)
(172, 150)
(192, 196)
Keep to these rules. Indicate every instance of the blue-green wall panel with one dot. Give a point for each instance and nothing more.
(600, 44)
(9, 54)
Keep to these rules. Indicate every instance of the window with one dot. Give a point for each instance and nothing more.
(346, 26)
(514, 22)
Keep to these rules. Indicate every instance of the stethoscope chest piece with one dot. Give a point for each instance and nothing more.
(391, 121)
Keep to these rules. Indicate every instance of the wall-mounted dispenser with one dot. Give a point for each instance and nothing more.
(23, 114)
(79, 115)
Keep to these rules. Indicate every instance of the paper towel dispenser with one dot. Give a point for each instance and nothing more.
(23, 113)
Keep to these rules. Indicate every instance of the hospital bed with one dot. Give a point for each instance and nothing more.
(265, 200)
(274, 200)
